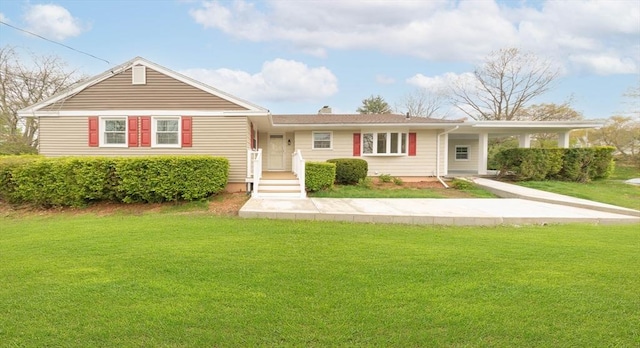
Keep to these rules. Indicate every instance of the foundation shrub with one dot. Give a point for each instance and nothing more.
(76, 181)
(319, 175)
(170, 178)
(8, 165)
(575, 164)
(350, 170)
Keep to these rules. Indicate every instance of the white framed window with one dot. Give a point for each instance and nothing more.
(165, 131)
(462, 153)
(384, 143)
(322, 140)
(113, 131)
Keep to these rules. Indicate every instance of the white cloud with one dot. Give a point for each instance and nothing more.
(603, 64)
(440, 83)
(3, 18)
(279, 80)
(428, 29)
(465, 30)
(52, 21)
(385, 80)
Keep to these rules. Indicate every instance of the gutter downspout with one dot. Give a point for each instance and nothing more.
(438, 154)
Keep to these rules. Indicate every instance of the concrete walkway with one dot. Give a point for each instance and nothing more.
(505, 190)
(529, 208)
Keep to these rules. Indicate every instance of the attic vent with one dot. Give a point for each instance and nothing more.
(139, 75)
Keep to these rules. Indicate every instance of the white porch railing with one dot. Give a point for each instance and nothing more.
(254, 168)
(298, 168)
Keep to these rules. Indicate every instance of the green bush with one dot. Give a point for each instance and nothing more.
(350, 170)
(528, 163)
(460, 184)
(397, 181)
(385, 177)
(319, 175)
(365, 183)
(170, 178)
(575, 164)
(76, 181)
(7, 165)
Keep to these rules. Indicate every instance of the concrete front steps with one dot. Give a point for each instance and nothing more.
(279, 188)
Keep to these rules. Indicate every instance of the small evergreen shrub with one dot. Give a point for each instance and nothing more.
(460, 184)
(319, 175)
(365, 183)
(385, 178)
(350, 170)
(397, 181)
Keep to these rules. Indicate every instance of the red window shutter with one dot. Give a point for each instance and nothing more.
(133, 131)
(253, 137)
(356, 144)
(93, 131)
(412, 144)
(187, 133)
(145, 131)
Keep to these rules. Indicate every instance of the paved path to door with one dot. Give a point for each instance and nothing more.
(477, 211)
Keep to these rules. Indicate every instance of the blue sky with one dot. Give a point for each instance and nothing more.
(296, 56)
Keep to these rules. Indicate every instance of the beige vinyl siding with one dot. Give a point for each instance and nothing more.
(461, 165)
(161, 92)
(423, 164)
(216, 136)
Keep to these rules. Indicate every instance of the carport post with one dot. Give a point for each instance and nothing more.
(563, 140)
(525, 140)
(483, 150)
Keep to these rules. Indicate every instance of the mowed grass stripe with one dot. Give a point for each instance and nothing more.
(198, 280)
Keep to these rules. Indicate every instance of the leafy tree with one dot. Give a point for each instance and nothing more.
(503, 85)
(374, 105)
(548, 112)
(23, 83)
(424, 103)
(623, 133)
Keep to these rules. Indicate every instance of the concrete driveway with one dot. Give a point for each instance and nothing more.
(530, 207)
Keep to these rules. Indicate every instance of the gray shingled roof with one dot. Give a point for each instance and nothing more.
(356, 119)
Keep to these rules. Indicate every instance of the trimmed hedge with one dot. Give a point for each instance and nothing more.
(319, 175)
(530, 163)
(350, 171)
(576, 164)
(76, 181)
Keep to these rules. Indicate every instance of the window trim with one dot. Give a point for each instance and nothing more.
(102, 127)
(154, 127)
(455, 152)
(387, 152)
(313, 140)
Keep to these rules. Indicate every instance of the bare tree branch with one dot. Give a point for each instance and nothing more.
(504, 84)
(424, 103)
(24, 83)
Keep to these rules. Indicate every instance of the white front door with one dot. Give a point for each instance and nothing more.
(276, 152)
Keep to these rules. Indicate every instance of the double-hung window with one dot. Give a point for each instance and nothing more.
(384, 143)
(166, 132)
(462, 153)
(114, 131)
(322, 140)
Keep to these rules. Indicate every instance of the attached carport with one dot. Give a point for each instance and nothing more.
(468, 145)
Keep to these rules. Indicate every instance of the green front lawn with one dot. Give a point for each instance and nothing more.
(185, 280)
(406, 190)
(612, 191)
